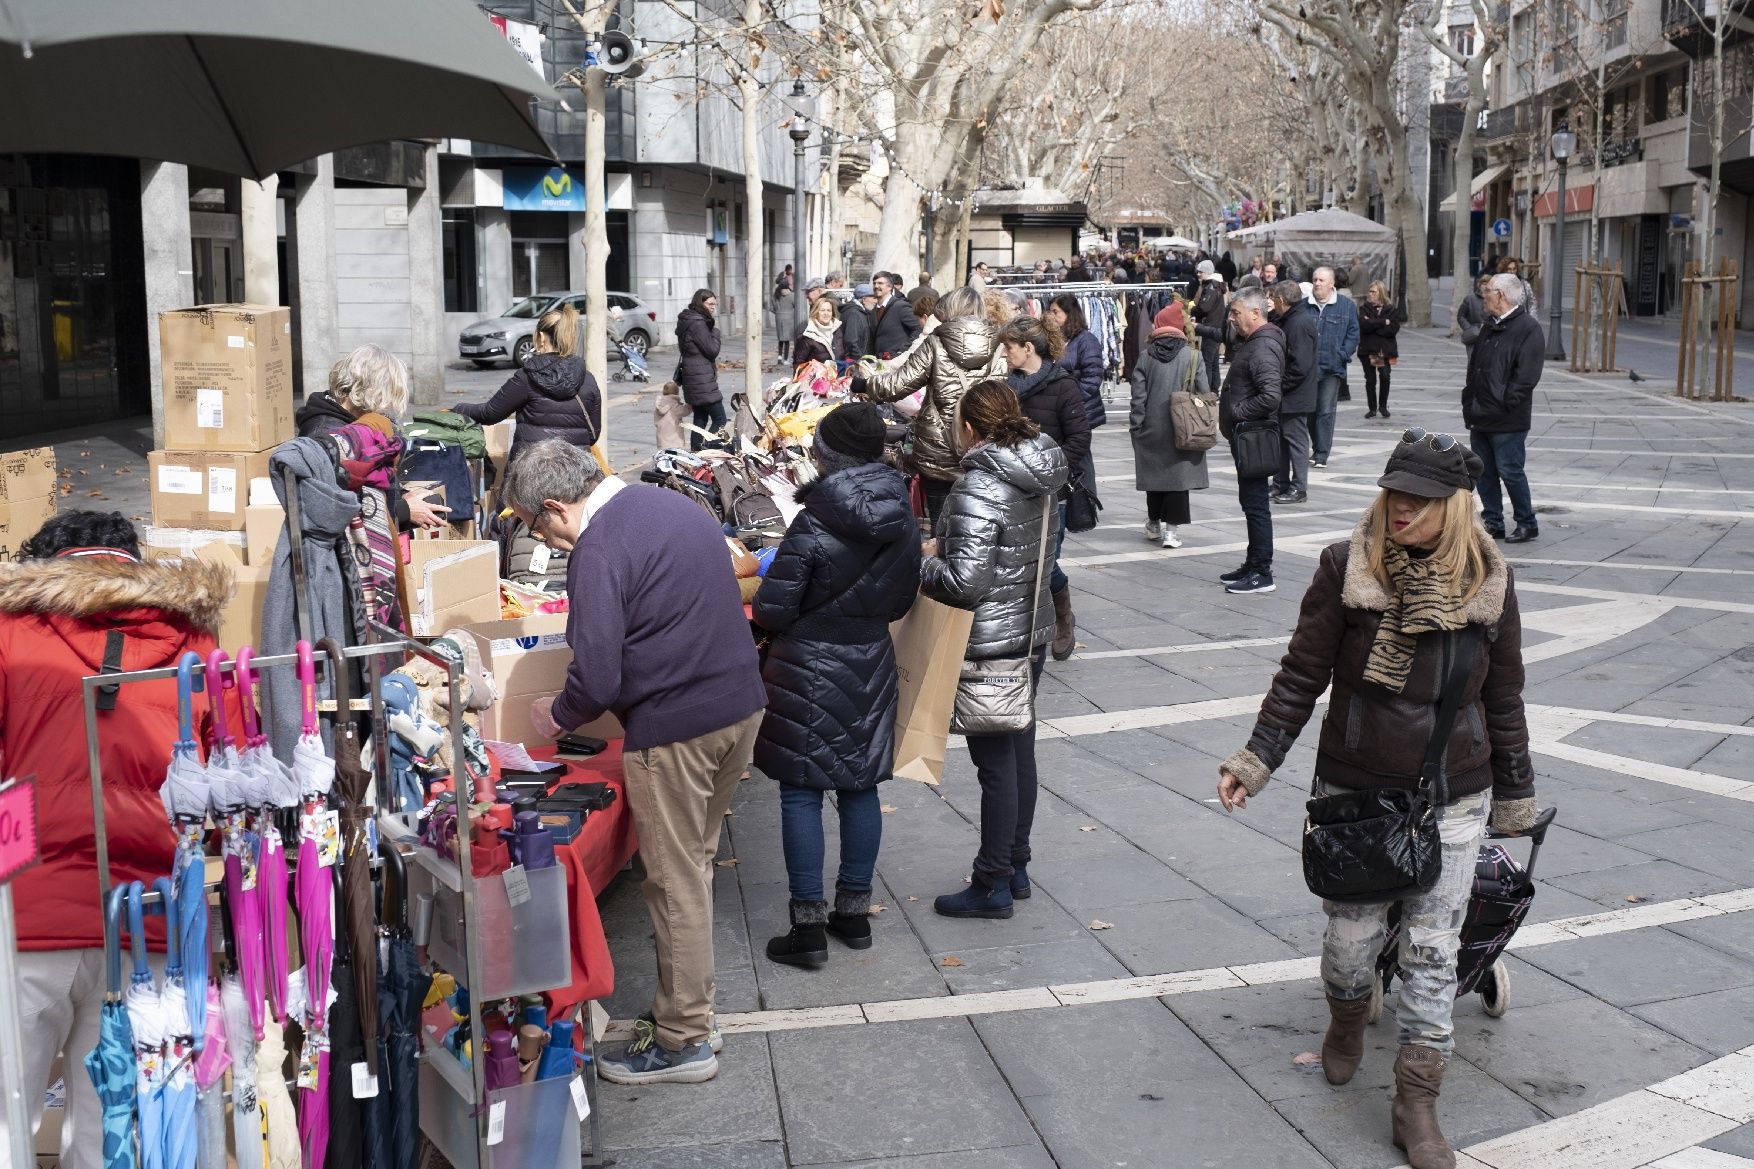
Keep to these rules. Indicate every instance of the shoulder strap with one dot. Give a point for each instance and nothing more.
(586, 415)
(1049, 507)
(1456, 677)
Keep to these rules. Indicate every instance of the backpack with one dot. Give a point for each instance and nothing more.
(743, 501)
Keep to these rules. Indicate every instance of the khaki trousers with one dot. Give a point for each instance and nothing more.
(679, 793)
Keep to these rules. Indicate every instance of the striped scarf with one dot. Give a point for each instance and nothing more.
(369, 449)
(1419, 603)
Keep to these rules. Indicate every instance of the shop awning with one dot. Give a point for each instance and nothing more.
(1481, 181)
(1577, 201)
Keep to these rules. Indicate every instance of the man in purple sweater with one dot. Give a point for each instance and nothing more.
(659, 639)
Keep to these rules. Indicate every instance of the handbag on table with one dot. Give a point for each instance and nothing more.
(1380, 845)
(997, 696)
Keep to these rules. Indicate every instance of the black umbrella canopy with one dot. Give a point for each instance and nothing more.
(252, 86)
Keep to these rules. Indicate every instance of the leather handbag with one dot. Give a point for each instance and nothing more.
(1194, 419)
(996, 696)
(1255, 446)
(1379, 845)
(1083, 509)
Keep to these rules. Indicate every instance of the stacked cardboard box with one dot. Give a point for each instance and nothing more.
(227, 404)
(27, 496)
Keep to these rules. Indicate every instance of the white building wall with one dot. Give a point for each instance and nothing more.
(372, 290)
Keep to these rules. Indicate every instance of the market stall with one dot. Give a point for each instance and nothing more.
(1327, 236)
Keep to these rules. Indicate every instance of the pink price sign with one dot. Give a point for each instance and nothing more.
(18, 827)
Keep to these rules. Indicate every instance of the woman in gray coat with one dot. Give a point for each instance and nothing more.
(988, 559)
(1162, 471)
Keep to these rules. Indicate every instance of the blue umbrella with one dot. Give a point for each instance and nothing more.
(178, 1090)
(146, 1016)
(185, 792)
(111, 1063)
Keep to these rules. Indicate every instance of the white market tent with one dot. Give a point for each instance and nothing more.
(1325, 236)
(1172, 242)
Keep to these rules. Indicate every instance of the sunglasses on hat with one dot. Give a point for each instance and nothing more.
(1437, 442)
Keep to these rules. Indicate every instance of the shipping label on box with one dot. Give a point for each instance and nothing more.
(202, 489)
(27, 474)
(19, 521)
(227, 377)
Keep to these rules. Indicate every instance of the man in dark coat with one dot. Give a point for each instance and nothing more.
(1251, 394)
(855, 322)
(920, 289)
(849, 565)
(893, 324)
(1297, 399)
(1207, 312)
(1504, 366)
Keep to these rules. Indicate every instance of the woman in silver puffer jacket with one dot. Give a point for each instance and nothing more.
(956, 355)
(987, 558)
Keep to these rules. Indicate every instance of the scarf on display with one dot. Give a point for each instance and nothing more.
(368, 451)
(1419, 602)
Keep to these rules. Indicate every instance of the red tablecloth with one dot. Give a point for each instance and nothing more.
(595, 855)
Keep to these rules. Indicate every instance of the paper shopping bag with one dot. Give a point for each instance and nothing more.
(929, 645)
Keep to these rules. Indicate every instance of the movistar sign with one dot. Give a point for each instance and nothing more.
(533, 189)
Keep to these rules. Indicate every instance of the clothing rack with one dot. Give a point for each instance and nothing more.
(1107, 308)
(399, 830)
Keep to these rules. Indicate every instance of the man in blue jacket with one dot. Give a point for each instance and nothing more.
(1336, 342)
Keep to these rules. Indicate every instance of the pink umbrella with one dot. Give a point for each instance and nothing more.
(272, 788)
(233, 791)
(318, 846)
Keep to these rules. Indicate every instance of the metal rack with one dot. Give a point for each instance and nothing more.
(397, 829)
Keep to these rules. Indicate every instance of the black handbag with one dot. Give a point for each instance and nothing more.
(1082, 506)
(1255, 446)
(1380, 845)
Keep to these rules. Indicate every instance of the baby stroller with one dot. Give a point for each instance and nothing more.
(633, 365)
(1503, 892)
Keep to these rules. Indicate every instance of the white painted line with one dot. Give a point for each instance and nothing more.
(1723, 1087)
(1627, 564)
(1105, 559)
(1623, 1133)
(804, 1018)
(1147, 716)
(1582, 627)
(1699, 781)
(1702, 1159)
(1615, 595)
(1639, 720)
(1113, 990)
(994, 1002)
(1194, 647)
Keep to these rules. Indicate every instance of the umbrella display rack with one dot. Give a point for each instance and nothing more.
(512, 1129)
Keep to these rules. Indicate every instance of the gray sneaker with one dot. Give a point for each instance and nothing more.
(694, 1064)
(645, 1033)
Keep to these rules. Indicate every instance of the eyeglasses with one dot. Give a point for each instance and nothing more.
(536, 522)
(1437, 442)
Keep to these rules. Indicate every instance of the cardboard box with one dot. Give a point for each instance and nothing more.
(454, 582)
(241, 623)
(262, 524)
(27, 474)
(19, 521)
(187, 541)
(227, 377)
(528, 659)
(202, 489)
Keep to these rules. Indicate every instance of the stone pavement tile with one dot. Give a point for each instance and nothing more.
(1530, 986)
(1676, 748)
(1567, 1056)
(1083, 879)
(1351, 1128)
(1568, 852)
(1715, 848)
(892, 1089)
(1035, 920)
(1611, 816)
(1734, 757)
(710, 1154)
(893, 968)
(1139, 751)
(1551, 901)
(1183, 935)
(1726, 712)
(1730, 934)
(1301, 931)
(738, 1105)
(1081, 959)
(1640, 966)
(1030, 1156)
(1044, 1052)
(1738, 1142)
(1720, 1022)
(1655, 880)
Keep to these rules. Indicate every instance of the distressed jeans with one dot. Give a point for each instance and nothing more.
(1431, 931)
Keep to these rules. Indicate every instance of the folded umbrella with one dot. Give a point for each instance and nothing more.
(314, 773)
(146, 1017)
(209, 1068)
(346, 1142)
(231, 792)
(280, 1122)
(240, 1041)
(111, 1063)
(273, 790)
(352, 783)
(402, 989)
(178, 1089)
(187, 793)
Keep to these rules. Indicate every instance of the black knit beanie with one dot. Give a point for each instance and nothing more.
(855, 429)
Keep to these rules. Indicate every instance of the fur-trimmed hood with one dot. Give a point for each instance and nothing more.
(84, 587)
(1363, 591)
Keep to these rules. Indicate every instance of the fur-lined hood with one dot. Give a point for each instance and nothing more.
(81, 587)
(1362, 590)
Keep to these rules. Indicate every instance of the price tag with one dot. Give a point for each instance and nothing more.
(517, 886)
(18, 827)
(539, 558)
(365, 1085)
(581, 1100)
(496, 1122)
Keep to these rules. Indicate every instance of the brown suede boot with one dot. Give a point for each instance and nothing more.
(1065, 633)
(1343, 1045)
(1413, 1113)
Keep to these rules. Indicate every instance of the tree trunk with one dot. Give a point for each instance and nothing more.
(1464, 186)
(592, 22)
(755, 281)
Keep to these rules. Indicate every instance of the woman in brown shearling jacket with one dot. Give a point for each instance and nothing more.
(1418, 590)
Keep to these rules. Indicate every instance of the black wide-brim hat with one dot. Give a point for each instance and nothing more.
(1419, 468)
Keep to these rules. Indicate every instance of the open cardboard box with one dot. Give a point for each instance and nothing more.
(528, 659)
(455, 582)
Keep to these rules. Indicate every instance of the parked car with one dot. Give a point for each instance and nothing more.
(511, 336)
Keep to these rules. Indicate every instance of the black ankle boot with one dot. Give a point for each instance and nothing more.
(807, 944)
(851, 919)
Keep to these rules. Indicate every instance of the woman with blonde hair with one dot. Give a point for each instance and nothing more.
(369, 386)
(1419, 597)
(553, 395)
(821, 339)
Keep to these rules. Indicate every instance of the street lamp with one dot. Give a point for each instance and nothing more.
(1562, 144)
(802, 111)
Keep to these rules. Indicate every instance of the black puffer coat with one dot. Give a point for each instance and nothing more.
(849, 565)
(697, 371)
(553, 397)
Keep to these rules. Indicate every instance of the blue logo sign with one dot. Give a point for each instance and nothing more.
(528, 642)
(1501, 229)
(528, 188)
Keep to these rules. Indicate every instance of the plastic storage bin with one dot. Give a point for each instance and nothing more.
(524, 948)
(541, 1126)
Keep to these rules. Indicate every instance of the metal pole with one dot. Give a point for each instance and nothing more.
(18, 1134)
(1556, 283)
(799, 308)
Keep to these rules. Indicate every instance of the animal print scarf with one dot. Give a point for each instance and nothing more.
(1419, 602)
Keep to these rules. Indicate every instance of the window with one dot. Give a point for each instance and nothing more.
(459, 259)
(1614, 23)
(1621, 118)
(1462, 40)
(1668, 96)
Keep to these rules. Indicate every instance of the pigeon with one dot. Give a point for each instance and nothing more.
(1633, 376)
